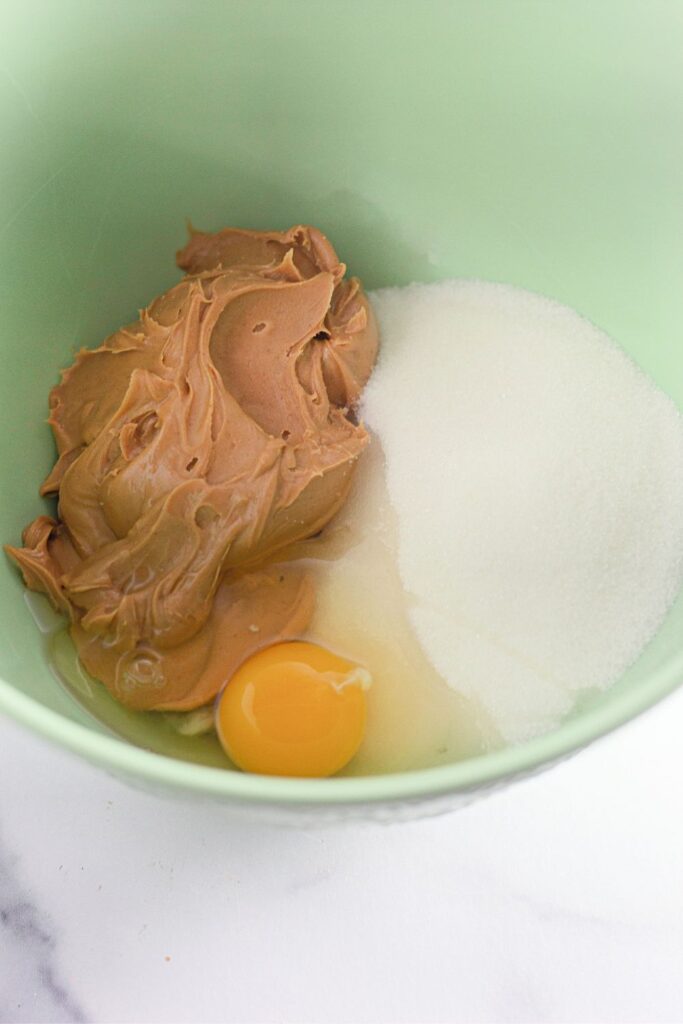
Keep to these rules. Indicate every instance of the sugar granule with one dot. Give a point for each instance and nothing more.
(537, 475)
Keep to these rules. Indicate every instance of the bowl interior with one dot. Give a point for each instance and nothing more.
(531, 143)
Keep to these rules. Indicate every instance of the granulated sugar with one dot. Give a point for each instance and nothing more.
(537, 477)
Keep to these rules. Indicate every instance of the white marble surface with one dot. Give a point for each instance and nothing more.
(560, 899)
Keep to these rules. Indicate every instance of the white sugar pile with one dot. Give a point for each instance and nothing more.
(537, 475)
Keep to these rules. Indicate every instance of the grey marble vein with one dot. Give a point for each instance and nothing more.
(30, 989)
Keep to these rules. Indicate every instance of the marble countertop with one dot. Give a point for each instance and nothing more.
(560, 899)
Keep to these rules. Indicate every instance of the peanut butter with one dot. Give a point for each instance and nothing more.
(193, 446)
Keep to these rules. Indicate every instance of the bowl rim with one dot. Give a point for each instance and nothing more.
(145, 766)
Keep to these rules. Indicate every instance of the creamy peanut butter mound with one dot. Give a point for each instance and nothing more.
(194, 445)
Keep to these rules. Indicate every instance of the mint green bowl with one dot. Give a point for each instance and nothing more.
(535, 143)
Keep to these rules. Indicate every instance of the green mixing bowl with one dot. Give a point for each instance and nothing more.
(535, 143)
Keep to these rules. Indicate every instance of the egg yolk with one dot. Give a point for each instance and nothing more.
(293, 709)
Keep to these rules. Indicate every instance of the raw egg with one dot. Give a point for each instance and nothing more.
(293, 709)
